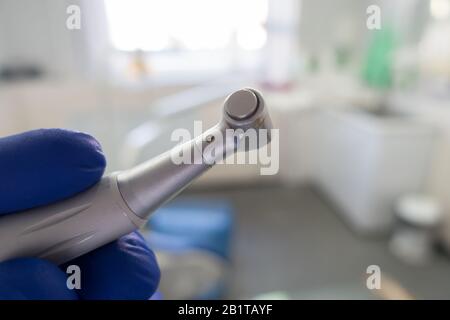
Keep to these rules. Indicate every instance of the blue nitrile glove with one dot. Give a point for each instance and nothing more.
(42, 166)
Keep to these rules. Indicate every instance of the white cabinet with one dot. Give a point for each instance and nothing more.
(365, 162)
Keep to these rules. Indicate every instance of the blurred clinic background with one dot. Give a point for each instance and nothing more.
(364, 117)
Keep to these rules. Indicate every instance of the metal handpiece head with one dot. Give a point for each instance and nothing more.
(245, 109)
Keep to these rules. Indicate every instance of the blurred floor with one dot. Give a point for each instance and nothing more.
(291, 240)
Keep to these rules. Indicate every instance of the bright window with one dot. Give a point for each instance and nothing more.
(187, 25)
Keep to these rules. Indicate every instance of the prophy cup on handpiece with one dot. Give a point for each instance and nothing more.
(123, 201)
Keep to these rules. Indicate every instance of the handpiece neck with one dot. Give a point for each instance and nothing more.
(151, 184)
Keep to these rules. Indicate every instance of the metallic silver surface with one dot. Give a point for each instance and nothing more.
(241, 104)
(149, 185)
(146, 187)
(259, 119)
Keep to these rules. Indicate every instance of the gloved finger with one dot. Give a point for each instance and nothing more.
(123, 269)
(33, 279)
(42, 166)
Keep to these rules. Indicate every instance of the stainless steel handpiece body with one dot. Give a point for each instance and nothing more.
(122, 202)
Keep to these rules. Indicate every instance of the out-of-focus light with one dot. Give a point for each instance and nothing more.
(252, 37)
(134, 24)
(155, 25)
(201, 24)
(440, 9)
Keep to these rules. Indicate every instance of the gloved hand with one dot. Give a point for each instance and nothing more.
(42, 166)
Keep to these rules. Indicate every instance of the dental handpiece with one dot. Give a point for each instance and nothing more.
(123, 201)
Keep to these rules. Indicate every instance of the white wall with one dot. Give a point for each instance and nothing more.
(35, 32)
